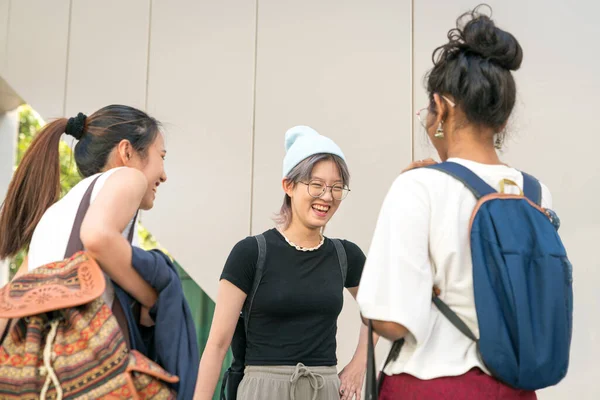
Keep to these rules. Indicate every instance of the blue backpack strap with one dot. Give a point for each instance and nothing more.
(479, 188)
(258, 274)
(342, 258)
(475, 184)
(532, 188)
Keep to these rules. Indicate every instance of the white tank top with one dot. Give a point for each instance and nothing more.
(51, 235)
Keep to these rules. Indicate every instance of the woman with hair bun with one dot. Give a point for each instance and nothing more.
(422, 238)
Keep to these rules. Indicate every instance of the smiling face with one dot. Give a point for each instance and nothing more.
(324, 175)
(153, 166)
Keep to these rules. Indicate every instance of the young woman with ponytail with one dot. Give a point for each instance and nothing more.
(121, 150)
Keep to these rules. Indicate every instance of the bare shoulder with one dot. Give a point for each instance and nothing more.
(127, 176)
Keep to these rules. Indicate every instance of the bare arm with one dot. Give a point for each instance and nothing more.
(230, 300)
(389, 330)
(352, 376)
(361, 349)
(102, 227)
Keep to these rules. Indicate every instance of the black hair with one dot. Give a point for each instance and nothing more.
(474, 68)
(106, 128)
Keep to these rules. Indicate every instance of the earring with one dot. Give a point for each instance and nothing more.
(439, 133)
(499, 142)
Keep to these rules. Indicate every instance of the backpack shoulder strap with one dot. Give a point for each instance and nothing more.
(133, 228)
(532, 188)
(371, 387)
(74, 245)
(474, 183)
(453, 318)
(258, 274)
(479, 188)
(342, 258)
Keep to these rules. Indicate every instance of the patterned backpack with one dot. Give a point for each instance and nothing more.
(64, 342)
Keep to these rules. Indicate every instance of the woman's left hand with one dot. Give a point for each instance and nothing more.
(352, 378)
(145, 318)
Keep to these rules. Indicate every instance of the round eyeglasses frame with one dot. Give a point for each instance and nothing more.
(314, 184)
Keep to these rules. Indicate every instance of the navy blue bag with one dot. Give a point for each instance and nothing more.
(522, 281)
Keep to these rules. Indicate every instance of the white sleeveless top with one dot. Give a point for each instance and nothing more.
(51, 235)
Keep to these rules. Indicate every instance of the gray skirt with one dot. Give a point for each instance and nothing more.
(289, 383)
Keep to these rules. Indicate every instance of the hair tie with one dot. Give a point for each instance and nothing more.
(75, 126)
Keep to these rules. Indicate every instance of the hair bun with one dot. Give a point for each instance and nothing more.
(481, 36)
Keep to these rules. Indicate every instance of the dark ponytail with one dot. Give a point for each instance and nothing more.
(34, 187)
(36, 183)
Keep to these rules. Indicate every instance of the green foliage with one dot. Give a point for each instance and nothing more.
(29, 125)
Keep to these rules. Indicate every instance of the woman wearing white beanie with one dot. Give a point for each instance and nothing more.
(288, 283)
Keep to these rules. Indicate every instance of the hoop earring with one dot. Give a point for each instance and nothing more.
(439, 133)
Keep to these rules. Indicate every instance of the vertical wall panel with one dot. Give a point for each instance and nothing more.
(4, 18)
(37, 53)
(551, 135)
(345, 71)
(108, 54)
(9, 128)
(201, 87)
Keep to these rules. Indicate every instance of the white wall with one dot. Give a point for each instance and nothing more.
(228, 78)
(4, 11)
(102, 35)
(9, 127)
(36, 52)
(201, 86)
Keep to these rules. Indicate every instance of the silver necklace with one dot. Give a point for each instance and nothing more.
(300, 248)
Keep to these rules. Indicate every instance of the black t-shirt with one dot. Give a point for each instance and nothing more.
(294, 314)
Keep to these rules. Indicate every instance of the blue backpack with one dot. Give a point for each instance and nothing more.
(522, 281)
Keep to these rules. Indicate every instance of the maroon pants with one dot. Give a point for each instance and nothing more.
(473, 385)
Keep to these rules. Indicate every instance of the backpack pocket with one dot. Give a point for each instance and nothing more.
(541, 288)
(568, 271)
